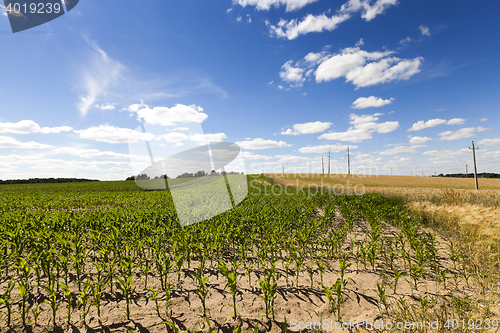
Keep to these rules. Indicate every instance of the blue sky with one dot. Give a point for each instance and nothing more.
(406, 84)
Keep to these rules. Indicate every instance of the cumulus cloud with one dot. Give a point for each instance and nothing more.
(361, 68)
(420, 125)
(318, 23)
(8, 142)
(291, 5)
(417, 140)
(29, 126)
(424, 30)
(308, 128)
(336, 148)
(466, 132)
(370, 102)
(490, 142)
(112, 134)
(97, 75)
(165, 116)
(175, 137)
(260, 143)
(292, 74)
(362, 128)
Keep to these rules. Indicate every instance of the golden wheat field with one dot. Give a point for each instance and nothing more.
(447, 197)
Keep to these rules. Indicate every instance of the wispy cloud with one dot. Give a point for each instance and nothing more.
(260, 143)
(290, 5)
(97, 75)
(8, 142)
(336, 148)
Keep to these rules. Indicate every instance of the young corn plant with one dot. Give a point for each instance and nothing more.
(202, 288)
(269, 287)
(68, 295)
(84, 300)
(52, 301)
(383, 298)
(124, 284)
(8, 301)
(231, 275)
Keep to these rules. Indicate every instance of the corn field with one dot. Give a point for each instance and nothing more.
(113, 257)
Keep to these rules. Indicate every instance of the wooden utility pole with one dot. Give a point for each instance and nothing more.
(348, 162)
(323, 165)
(474, 158)
(328, 161)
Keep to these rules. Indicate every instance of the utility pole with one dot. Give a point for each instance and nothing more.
(282, 169)
(391, 171)
(323, 165)
(328, 161)
(348, 162)
(474, 158)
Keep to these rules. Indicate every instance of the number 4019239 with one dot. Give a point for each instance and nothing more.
(33, 8)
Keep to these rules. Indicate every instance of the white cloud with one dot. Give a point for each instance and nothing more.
(483, 119)
(260, 143)
(292, 159)
(400, 150)
(100, 73)
(249, 156)
(208, 137)
(90, 153)
(111, 134)
(490, 142)
(136, 107)
(308, 128)
(362, 129)
(175, 137)
(417, 140)
(466, 132)
(326, 148)
(239, 19)
(29, 126)
(249, 18)
(351, 63)
(420, 125)
(3, 11)
(455, 121)
(424, 30)
(370, 102)
(107, 106)
(291, 5)
(292, 74)
(318, 23)
(361, 68)
(446, 153)
(8, 142)
(165, 116)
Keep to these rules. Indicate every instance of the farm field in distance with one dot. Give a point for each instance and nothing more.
(111, 257)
